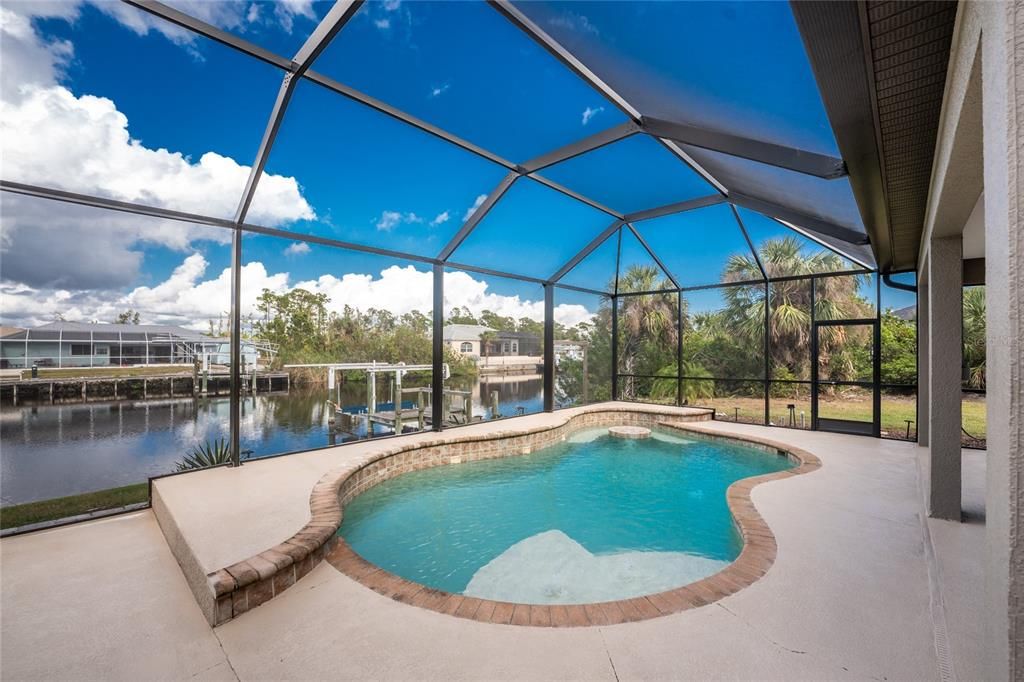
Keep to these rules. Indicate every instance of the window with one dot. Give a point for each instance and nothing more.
(80, 349)
(466, 347)
(515, 347)
(504, 347)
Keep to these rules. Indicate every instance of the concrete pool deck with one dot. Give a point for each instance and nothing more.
(862, 587)
(279, 519)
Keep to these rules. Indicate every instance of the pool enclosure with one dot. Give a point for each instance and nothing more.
(664, 222)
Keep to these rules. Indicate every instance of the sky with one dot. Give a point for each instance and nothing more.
(100, 98)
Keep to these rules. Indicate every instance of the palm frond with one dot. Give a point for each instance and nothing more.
(204, 455)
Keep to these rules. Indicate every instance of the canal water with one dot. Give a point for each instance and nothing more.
(49, 451)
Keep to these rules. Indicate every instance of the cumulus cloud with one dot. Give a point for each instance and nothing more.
(297, 249)
(52, 244)
(472, 209)
(402, 289)
(389, 220)
(88, 148)
(590, 113)
(439, 90)
(53, 138)
(463, 290)
(184, 298)
(26, 59)
(440, 218)
(189, 298)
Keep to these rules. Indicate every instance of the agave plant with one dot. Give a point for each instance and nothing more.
(208, 454)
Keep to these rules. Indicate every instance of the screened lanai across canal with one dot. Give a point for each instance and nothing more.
(547, 203)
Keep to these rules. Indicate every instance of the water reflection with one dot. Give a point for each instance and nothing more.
(55, 450)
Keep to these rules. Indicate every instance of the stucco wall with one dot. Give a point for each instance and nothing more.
(988, 58)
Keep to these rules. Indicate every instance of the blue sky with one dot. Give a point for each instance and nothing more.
(104, 99)
(205, 98)
(738, 66)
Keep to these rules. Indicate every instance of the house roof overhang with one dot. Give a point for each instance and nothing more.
(881, 70)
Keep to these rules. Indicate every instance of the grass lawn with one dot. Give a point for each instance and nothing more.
(63, 507)
(895, 410)
(97, 372)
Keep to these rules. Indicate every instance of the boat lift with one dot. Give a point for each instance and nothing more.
(393, 419)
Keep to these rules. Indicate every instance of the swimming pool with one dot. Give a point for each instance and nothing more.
(592, 519)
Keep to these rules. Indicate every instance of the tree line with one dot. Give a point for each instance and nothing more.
(721, 347)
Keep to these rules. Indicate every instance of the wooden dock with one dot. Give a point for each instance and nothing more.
(458, 405)
(183, 384)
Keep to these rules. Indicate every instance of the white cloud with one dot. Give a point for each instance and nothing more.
(26, 59)
(404, 289)
(464, 291)
(572, 314)
(41, 243)
(232, 15)
(389, 220)
(575, 22)
(50, 136)
(440, 218)
(53, 138)
(186, 298)
(387, 15)
(590, 113)
(285, 11)
(439, 90)
(472, 209)
(297, 249)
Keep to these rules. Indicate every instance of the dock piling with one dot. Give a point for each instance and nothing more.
(397, 401)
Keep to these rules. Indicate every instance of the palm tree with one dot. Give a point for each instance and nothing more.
(789, 326)
(486, 338)
(974, 335)
(646, 322)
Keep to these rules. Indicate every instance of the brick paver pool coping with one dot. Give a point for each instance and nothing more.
(247, 584)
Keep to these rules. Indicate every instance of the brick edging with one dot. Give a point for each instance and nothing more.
(246, 584)
(757, 556)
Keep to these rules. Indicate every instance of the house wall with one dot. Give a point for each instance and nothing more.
(457, 346)
(979, 148)
(528, 346)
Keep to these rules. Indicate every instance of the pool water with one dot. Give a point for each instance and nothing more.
(592, 519)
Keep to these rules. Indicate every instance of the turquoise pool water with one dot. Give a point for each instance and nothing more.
(592, 519)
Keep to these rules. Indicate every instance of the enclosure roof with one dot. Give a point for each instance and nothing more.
(515, 137)
(464, 332)
(882, 71)
(171, 331)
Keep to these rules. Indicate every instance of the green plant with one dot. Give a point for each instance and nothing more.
(647, 325)
(974, 335)
(208, 454)
(789, 325)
